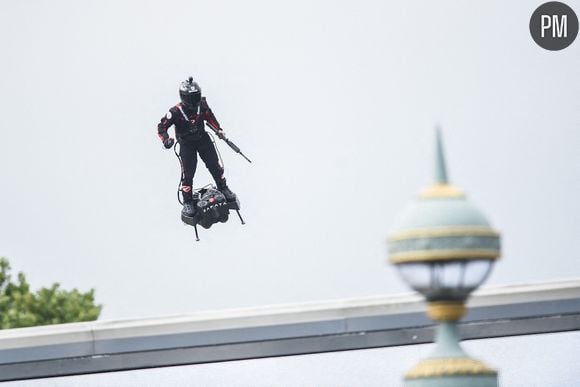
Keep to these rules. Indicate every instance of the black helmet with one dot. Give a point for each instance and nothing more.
(190, 93)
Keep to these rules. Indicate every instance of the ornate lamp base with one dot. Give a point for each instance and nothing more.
(449, 365)
(454, 381)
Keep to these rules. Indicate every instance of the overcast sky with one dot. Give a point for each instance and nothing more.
(335, 102)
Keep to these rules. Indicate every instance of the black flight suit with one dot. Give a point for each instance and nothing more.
(192, 137)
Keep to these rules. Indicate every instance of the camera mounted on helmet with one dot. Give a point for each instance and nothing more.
(190, 93)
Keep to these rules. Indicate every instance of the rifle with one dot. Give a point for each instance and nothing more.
(234, 147)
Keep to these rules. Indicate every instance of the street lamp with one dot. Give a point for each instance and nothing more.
(444, 248)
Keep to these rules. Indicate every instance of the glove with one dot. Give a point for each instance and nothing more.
(221, 134)
(168, 142)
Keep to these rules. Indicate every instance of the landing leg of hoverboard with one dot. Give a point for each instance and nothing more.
(240, 216)
(196, 236)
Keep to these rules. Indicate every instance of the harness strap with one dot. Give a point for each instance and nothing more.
(185, 115)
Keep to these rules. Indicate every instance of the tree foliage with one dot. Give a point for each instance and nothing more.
(19, 307)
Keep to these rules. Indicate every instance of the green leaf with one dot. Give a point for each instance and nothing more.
(19, 307)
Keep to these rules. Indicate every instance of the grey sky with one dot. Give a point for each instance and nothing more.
(335, 102)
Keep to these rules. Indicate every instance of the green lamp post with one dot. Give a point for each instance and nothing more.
(444, 248)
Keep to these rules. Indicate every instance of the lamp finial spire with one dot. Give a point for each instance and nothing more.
(440, 167)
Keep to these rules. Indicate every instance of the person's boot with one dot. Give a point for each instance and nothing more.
(223, 187)
(188, 209)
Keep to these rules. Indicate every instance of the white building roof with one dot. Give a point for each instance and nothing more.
(280, 330)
